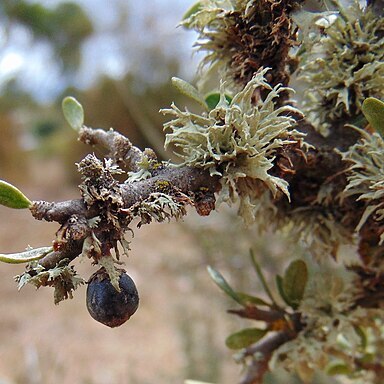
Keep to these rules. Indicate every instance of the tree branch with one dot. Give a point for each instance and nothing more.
(261, 353)
(305, 172)
(120, 147)
(185, 179)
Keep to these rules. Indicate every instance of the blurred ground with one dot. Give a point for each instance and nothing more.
(177, 333)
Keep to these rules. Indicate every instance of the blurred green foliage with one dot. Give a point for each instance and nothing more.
(129, 104)
(65, 26)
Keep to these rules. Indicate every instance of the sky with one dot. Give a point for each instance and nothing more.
(112, 51)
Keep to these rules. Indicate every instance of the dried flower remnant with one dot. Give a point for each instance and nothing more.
(238, 142)
(241, 37)
(343, 64)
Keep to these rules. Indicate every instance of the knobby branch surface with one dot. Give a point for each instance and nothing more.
(262, 352)
(319, 162)
(319, 166)
(186, 180)
(119, 147)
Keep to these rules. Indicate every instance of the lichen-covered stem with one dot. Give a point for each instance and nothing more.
(120, 148)
(264, 350)
(70, 252)
(185, 179)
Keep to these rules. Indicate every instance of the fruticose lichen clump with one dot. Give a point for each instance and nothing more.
(366, 177)
(242, 36)
(342, 64)
(337, 334)
(238, 141)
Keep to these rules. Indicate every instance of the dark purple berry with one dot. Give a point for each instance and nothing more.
(108, 306)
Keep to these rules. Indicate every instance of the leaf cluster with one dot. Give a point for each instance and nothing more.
(291, 287)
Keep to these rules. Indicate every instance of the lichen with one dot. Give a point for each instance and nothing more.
(237, 141)
(365, 176)
(343, 64)
(99, 185)
(319, 231)
(63, 278)
(163, 185)
(160, 207)
(332, 336)
(143, 173)
(314, 228)
(240, 37)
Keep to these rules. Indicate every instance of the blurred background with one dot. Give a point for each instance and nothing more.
(116, 58)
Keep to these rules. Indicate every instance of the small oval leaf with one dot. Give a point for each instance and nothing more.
(73, 112)
(373, 110)
(25, 257)
(188, 90)
(218, 278)
(244, 338)
(294, 282)
(213, 99)
(12, 197)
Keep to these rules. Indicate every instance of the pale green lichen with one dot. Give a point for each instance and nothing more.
(343, 64)
(366, 176)
(143, 173)
(159, 207)
(314, 227)
(239, 37)
(330, 337)
(211, 22)
(63, 278)
(237, 141)
(319, 231)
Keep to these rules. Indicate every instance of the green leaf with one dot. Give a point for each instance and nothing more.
(244, 338)
(213, 99)
(249, 299)
(279, 284)
(25, 257)
(192, 10)
(188, 90)
(373, 110)
(294, 282)
(339, 369)
(363, 336)
(12, 197)
(263, 280)
(73, 113)
(218, 278)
